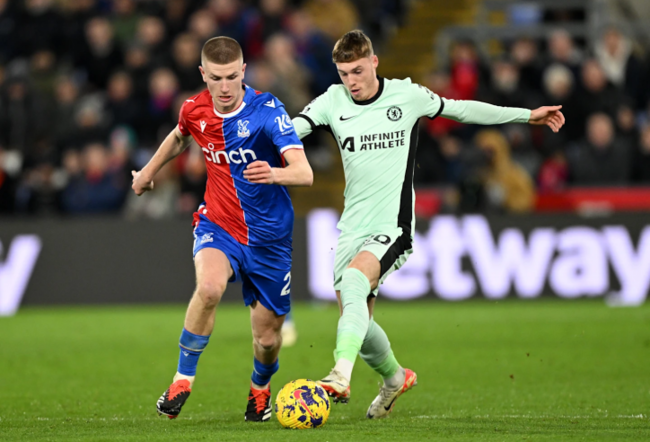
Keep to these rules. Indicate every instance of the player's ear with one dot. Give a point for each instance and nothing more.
(375, 61)
(202, 74)
(243, 70)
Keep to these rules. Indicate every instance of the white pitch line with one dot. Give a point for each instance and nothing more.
(528, 416)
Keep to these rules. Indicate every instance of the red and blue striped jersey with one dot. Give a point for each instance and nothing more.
(259, 129)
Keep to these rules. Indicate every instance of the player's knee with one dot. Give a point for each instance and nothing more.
(267, 341)
(210, 292)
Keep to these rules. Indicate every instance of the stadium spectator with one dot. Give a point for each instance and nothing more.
(641, 169)
(554, 173)
(273, 17)
(122, 106)
(236, 21)
(314, 50)
(93, 188)
(125, 20)
(280, 56)
(621, 67)
(43, 72)
(186, 54)
(563, 50)
(175, 16)
(37, 28)
(505, 88)
(151, 34)
(66, 95)
(525, 54)
(90, 123)
(74, 17)
(102, 54)
(24, 116)
(507, 185)
(465, 71)
(203, 25)
(522, 150)
(601, 159)
(159, 117)
(8, 23)
(597, 95)
(626, 128)
(332, 17)
(39, 192)
(138, 65)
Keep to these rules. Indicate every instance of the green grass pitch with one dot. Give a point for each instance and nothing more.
(544, 370)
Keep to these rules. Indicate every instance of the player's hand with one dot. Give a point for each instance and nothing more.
(140, 183)
(549, 116)
(260, 172)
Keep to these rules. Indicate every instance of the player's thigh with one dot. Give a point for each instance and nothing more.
(217, 257)
(347, 247)
(390, 248)
(368, 264)
(213, 270)
(267, 277)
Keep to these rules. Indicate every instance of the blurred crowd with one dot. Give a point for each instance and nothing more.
(89, 88)
(605, 96)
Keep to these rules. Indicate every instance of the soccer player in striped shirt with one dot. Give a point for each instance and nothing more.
(242, 232)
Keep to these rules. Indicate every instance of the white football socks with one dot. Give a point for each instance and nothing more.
(259, 387)
(396, 380)
(178, 377)
(344, 367)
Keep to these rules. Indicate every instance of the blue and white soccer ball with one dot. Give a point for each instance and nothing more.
(302, 404)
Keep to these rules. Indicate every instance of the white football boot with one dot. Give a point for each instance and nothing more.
(336, 386)
(385, 401)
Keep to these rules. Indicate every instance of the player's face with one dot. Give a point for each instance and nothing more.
(224, 83)
(360, 77)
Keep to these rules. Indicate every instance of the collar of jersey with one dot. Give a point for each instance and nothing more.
(236, 111)
(375, 98)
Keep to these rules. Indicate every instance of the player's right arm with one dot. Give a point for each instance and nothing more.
(315, 114)
(173, 146)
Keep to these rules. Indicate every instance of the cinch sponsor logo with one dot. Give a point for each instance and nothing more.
(457, 258)
(234, 156)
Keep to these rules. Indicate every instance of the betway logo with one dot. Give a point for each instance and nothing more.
(234, 156)
(570, 262)
(16, 270)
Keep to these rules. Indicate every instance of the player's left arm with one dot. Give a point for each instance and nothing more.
(477, 112)
(297, 173)
(280, 130)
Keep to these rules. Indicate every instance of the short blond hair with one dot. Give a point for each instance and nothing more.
(351, 47)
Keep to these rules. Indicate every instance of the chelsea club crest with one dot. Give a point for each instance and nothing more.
(242, 129)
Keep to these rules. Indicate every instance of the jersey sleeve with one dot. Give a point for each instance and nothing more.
(182, 120)
(315, 114)
(429, 104)
(477, 112)
(279, 128)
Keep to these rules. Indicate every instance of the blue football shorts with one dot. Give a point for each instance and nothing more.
(265, 272)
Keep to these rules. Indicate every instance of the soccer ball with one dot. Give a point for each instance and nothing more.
(302, 404)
